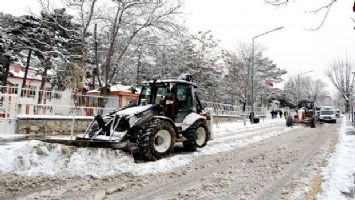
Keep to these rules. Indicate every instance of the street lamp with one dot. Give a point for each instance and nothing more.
(351, 99)
(303, 73)
(299, 82)
(252, 69)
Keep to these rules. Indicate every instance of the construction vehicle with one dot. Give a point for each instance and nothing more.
(168, 111)
(303, 113)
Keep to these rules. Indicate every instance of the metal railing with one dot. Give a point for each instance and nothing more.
(27, 101)
(67, 103)
(7, 113)
(58, 110)
(221, 109)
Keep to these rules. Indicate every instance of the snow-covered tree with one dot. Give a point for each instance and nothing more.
(323, 9)
(340, 74)
(63, 45)
(87, 13)
(239, 76)
(6, 46)
(126, 25)
(304, 87)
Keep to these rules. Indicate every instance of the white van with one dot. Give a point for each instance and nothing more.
(328, 114)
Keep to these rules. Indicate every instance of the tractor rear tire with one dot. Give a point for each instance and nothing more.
(156, 140)
(289, 121)
(196, 136)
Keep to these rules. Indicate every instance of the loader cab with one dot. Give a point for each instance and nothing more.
(306, 104)
(177, 97)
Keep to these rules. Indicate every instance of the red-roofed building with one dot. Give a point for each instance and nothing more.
(123, 92)
(33, 80)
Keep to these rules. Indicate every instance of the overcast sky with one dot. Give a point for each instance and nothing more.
(293, 48)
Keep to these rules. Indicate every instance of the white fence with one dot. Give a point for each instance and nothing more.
(16, 102)
(27, 102)
(229, 110)
(7, 113)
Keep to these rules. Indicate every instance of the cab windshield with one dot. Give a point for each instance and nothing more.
(327, 112)
(154, 94)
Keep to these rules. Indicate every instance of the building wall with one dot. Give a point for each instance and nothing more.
(51, 126)
(29, 82)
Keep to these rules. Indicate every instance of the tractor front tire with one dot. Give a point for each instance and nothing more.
(156, 140)
(289, 121)
(196, 136)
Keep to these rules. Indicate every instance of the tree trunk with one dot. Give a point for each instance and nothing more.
(347, 106)
(96, 57)
(138, 68)
(43, 82)
(26, 70)
(7, 69)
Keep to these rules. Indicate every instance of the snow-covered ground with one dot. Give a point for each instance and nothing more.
(7, 127)
(339, 175)
(34, 158)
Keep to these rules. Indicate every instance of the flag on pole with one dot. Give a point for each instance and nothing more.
(269, 84)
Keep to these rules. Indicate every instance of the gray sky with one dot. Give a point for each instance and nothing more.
(293, 48)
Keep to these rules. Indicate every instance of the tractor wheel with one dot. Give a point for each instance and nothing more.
(196, 136)
(313, 122)
(156, 140)
(289, 121)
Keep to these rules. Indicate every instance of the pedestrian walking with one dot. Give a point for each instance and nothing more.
(280, 113)
(285, 114)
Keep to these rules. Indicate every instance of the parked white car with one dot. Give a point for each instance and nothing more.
(328, 114)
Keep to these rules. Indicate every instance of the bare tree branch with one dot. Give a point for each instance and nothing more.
(277, 2)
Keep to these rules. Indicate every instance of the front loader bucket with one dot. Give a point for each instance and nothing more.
(86, 142)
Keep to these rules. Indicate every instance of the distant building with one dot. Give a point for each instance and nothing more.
(31, 91)
(123, 92)
(33, 80)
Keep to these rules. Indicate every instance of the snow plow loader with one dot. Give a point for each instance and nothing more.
(168, 111)
(304, 113)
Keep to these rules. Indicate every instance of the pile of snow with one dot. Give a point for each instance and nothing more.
(36, 158)
(339, 175)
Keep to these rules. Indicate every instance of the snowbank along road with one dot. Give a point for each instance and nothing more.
(264, 161)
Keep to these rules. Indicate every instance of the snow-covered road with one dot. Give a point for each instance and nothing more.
(265, 161)
(37, 158)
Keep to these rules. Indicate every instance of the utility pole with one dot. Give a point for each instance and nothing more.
(299, 83)
(139, 63)
(252, 70)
